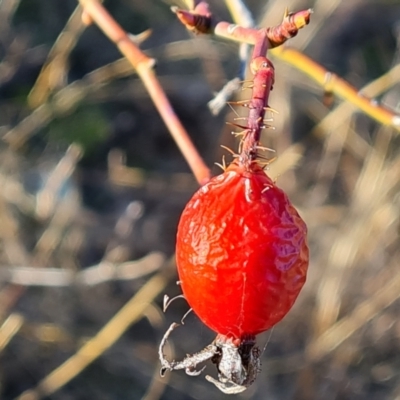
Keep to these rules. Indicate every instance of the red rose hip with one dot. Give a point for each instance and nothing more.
(241, 248)
(241, 252)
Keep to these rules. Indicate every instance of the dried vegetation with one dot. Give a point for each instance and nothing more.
(92, 187)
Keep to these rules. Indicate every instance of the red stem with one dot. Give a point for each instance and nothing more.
(143, 65)
(262, 85)
(200, 20)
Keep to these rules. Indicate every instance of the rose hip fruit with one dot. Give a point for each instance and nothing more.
(241, 252)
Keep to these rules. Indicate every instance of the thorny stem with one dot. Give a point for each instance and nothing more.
(263, 71)
(323, 77)
(262, 85)
(143, 65)
(200, 20)
(276, 36)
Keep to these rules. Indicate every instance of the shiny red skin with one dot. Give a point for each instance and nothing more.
(241, 252)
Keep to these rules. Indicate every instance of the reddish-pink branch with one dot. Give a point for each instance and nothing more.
(262, 84)
(94, 11)
(200, 20)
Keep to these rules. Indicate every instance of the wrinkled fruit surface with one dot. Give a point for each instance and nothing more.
(241, 252)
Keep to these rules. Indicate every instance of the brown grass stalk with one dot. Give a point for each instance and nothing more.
(338, 86)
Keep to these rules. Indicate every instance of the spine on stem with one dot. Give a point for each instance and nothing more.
(263, 71)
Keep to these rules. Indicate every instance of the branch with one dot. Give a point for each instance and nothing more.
(227, 92)
(344, 110)
(200, 20)
(338, 86)
(10, 328)
(103, 272)
(143, 65)
(54, 70)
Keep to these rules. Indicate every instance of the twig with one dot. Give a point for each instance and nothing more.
(343, 111)
(143, 66)
(120, 174)
(65, 100)
(29, 125)
(68, 97)
(236, 8)
(201, 20)
(288, 159)
(157, 385)
(13, 43)
(46, 198)
(93, 275)
(7, 10)
(338, 86)
(276, 36)
(53, 235)
(13, 192)
(10, 328)
(55, 67)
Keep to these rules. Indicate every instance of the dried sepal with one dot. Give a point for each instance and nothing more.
(189, 363)
(237, 361)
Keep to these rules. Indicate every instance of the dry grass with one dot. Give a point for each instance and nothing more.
(92, 187)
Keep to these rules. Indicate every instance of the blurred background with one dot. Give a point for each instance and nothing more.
(92, 186)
